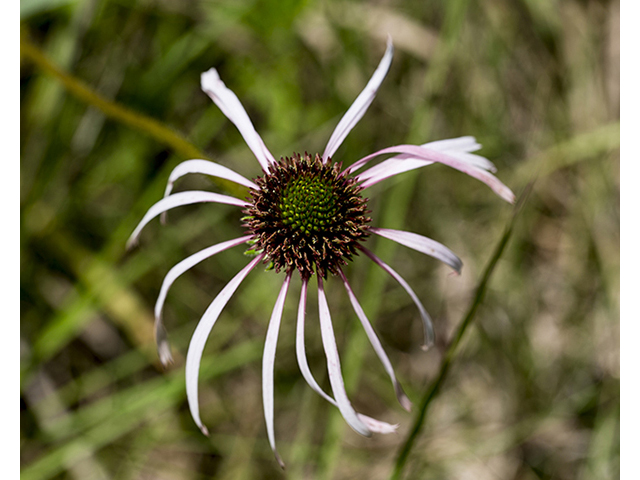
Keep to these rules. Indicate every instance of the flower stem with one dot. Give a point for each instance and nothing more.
(450, 353)
(136, 120)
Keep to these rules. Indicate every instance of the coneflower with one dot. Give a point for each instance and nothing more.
(307, 214)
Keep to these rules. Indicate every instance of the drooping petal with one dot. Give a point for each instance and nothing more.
(429, 334)
(421, 244)
(268, 362)
(375, 343)
(206, 167)
(458, 144)
(188, 263)
(376, 426)
(230, 105)
(360, 105)
(441, 157)
(474, 160)
(405, 163)
(178, 200)
(301, 354)
(200, 336)
(162, 341)
(460, 147)
(333, 366)
(389, 168)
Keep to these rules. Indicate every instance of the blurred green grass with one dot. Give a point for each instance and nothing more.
(534, 390)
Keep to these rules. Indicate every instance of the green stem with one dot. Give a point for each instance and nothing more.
(138, 121)
(450, 353)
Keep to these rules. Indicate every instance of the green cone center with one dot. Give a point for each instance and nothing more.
(307, 215)
(308, 204)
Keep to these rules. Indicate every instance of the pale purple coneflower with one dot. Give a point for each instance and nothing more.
(307, 214)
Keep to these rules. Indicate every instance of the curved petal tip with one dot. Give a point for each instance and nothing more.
(279, 460)
(209, 79)
(403, 399)
(164, 352)
(131, 243)
(377, 426)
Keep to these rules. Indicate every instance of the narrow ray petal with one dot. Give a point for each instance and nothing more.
(405, 163)
(200, 336)
(429, 334)
(162, 341)
(474, 160)
(421, 244)
(389, 168)
(460, 146)
(268, 362)
(375, 343)
(204, 167)
(333, 366)
(230, 105)
(441, 157)
(178, 200)
(374, 425)
(461, 149)
(301, 354)
(360, 105)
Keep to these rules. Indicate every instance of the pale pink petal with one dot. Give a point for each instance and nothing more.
(375, 343)
(405, 163)
(421, 244)
(460, 148)
(396, 165)
(164, 350)
(441, 157)
(374, 425)
(389, 168)
(333, 366)
(301, 354)
(228, 103)
(162, 343)
(474, 160)
(457, 147)
(463, 162)
(206, 167)
(268, 362)
(429, 334)
(360, 105)
(200, 336)
(178, 200)
(450, 145)
(459, 144)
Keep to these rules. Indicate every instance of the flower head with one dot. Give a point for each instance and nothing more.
(307, 214)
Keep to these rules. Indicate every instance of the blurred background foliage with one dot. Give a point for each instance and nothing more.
(111, 103)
